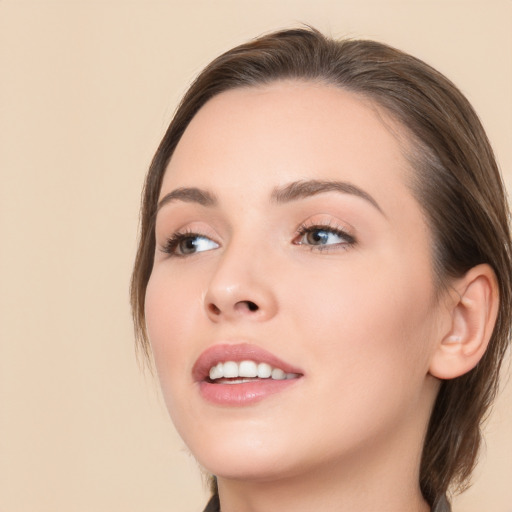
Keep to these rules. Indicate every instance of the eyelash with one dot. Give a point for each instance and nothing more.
(172, 243)
(306, 229)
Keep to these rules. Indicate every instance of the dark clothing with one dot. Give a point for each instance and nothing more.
(213, 504)
(442, 505)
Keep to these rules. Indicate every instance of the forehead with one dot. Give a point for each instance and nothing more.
(287, 131)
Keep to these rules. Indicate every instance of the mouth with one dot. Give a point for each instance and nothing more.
(232, 372)
(241, 374)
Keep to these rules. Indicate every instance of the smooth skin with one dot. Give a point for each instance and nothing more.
(343, 284)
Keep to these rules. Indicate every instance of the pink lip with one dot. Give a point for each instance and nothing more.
(245, 393)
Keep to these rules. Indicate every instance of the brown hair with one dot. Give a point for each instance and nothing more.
(457, 183)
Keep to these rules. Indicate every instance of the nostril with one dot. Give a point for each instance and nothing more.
(252, 306)
(240, 306)
(214, 309)
(245, 306)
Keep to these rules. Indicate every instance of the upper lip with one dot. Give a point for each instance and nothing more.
(237, 352)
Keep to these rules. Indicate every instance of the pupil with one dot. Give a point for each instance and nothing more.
(188, 245)
(318, 236)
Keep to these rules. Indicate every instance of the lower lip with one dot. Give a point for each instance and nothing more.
(245, 393)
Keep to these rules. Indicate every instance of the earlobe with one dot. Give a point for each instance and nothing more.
(473, 314)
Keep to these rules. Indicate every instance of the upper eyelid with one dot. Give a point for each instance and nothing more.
(327, 222)
(165, 230)
(189, 229)
(325, 227)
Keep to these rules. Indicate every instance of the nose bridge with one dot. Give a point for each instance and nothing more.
(241, 287)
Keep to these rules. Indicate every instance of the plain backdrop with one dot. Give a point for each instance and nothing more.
(87, 89)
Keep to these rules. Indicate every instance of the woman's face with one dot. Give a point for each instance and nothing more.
(288, 237)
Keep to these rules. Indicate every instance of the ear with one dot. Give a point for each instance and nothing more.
(473, 311)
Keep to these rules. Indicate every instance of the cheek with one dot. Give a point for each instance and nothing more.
(171, 308)
(369, 321)
(371, 355)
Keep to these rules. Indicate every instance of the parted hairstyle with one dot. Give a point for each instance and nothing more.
(456, 182)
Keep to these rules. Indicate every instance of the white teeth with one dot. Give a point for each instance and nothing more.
(278, 374)
(247, 370)
(264, 371)
(237, 381)
(230, 370)
(217, 372)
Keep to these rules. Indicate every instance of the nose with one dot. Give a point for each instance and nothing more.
(241, 288)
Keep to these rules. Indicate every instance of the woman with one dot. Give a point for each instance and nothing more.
(323, 277)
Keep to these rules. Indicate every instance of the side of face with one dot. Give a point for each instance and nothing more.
(337, 283)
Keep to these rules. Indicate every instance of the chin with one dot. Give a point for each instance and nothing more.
(240, 455)
(256, 469)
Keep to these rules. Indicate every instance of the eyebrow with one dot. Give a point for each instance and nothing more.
(307, 188)
(291, 192)
(189, 195)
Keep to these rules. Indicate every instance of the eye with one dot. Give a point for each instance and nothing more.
(323, 237)
(185, 244)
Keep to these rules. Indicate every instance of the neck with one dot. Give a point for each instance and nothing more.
(318, 493)
(327, 492)
(383, 478)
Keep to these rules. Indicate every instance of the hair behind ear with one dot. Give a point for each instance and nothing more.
(468, 360)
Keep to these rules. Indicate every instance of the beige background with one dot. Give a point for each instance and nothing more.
(87, 89)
